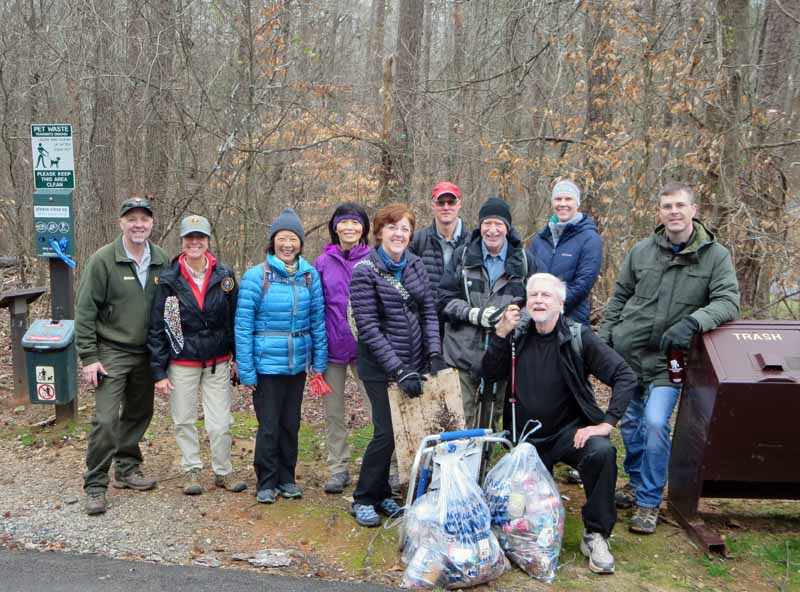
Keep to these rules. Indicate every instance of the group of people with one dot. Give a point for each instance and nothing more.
(513, 321)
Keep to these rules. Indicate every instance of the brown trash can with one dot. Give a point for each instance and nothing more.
(736, 433)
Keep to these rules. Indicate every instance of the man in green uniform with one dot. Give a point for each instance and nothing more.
(116, 292)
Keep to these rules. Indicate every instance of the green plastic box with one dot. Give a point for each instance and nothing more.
(52, 362)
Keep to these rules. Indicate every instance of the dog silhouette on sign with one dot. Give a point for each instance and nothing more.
(54, 162)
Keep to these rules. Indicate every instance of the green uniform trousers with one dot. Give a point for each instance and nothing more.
(122, 413)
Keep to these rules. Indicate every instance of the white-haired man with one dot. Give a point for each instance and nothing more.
(554, 358)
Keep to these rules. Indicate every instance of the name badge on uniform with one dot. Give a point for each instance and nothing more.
(128, 277)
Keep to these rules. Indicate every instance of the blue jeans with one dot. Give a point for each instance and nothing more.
(645, 432)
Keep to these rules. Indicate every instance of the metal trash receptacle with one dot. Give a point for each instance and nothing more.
(52, 361)
(736, 429)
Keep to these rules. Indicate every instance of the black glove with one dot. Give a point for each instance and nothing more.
(679, 336)
(437, 364)
(410, 382)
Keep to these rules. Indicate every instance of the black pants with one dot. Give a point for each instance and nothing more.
(277, 401)
(373, 481)
(597, 464)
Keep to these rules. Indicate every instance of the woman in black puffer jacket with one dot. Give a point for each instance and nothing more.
(191, 345)
(398, 340)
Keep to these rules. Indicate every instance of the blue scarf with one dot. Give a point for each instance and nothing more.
(395, 268)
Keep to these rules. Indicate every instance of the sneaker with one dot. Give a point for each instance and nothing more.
(337, 482)
(595, 546)
(290, 491)
(229, 483)
(644, 520)
(365, 515)
(96, 502)
(267, 496)
(390, 508)
(625, 496)
(134, 480)
(394, 485)
(191, 483)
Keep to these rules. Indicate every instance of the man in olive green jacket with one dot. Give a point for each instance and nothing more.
(116, 292)
(674, 284)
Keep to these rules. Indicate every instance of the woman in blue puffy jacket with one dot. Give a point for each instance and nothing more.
(280, 336)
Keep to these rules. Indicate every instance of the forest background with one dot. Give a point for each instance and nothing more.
(234, 109)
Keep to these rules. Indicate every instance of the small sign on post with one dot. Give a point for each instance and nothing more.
(54, 165)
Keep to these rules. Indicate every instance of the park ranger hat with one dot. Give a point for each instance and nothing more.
(133, 203)
(195, 223)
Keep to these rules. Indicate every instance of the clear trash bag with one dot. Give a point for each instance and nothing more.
(527, 513)
(449, 539)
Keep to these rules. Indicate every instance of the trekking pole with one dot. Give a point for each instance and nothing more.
(513, 391)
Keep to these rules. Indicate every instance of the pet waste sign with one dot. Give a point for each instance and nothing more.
(54, 165)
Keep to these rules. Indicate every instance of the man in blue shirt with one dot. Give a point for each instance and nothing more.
(486, 274)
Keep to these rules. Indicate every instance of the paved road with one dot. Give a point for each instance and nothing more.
(31, 571)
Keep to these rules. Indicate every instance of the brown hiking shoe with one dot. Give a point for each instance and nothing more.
(644, 520)
(228, 482)
(191, 482)
(134, 480)
(625, 496)
(96, 502)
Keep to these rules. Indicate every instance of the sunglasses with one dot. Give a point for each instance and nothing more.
(446, 202)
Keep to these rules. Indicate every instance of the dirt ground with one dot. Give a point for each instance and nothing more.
(41, 508)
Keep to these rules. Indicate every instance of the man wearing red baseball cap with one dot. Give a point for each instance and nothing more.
(436, 243)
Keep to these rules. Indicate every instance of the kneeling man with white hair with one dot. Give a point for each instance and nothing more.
(554, 358)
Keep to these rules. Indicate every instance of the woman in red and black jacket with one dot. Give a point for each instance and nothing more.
(191, 343)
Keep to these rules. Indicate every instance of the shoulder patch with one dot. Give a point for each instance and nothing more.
(227, 284)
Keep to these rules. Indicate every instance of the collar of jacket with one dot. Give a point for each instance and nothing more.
(121, 257)
(474, 254)
(278, 266)
(171, 274)
(356, 253)
(585, 223)
(701, 238)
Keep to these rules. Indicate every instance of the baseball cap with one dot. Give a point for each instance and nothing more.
(133, 203)
(195, 223)
(444, 188)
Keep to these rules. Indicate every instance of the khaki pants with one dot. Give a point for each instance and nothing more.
(122, 413)
(335, 420)
(216, 396)
(469, 399)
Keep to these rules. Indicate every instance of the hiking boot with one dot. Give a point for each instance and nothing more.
(390, 508)
(96, 502)
(595, 546)
(267, 496)
(394, 485)
(573, 477)
(228, 482)
(290, 491)
(134, 480)
(644, 520)
(365, 515)
(191, 483)
(625, 496)
(337, 482)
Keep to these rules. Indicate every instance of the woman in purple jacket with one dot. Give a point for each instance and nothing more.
(398, 340)
(349, 229)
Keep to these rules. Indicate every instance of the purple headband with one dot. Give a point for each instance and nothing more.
(348, 216)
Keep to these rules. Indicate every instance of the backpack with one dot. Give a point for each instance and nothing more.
(270, 278)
